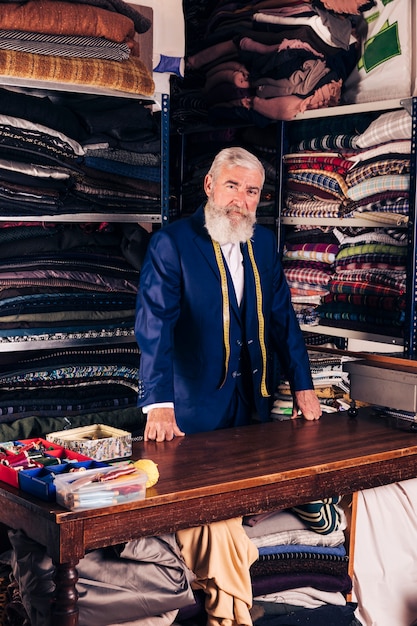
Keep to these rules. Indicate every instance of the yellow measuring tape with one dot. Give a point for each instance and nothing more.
(226, 313)
(226, 308)
(261, 321)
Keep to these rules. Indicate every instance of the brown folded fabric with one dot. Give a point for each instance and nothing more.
(64, 18)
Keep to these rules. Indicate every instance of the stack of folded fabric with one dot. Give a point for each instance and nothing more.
(271, 60)
(63, 289)
(308, 261)
(63, 154)
(331, 385)
(360, 170)
(301, 575)
(368, 288)
(83, 42)
(379, 181)
(120, 170)
(66, 281)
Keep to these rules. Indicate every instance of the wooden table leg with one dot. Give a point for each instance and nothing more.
(65, 609)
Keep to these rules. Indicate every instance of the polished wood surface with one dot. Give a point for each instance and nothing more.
(213, 476)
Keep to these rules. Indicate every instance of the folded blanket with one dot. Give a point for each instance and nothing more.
(142, 24)
(63, 18)
(130, 76)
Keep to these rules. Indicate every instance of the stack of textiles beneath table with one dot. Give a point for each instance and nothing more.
(301, 575)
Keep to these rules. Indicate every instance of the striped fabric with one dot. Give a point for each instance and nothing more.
(371, 248)
(309, 276)
(381, 167)
(390, 126)
(389, 303)
(322, 516)
(357, 286)
(328, 142)
(390, 236)
(377, 184)
(61, 45)
(394, 280)
(368, 261)
(327, 182)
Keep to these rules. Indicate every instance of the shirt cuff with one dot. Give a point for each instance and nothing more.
(157, 405)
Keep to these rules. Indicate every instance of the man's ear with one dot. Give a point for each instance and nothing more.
(208, 184)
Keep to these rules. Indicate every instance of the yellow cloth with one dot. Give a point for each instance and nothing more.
(220, 555)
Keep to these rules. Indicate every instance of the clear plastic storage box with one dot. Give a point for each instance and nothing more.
(97, 488)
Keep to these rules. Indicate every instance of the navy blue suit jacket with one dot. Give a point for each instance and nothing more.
(179, 325)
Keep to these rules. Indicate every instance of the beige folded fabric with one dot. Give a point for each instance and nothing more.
(220, 555)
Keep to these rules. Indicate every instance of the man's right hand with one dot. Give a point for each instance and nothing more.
(161, 425)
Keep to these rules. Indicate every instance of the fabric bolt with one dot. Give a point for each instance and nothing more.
(293, 599)
(60, 17)
(318, 183)
(382, 235)
(380, 167)
(302, 82)
(299, 562)
(42, 110)
(85, 47)
(352, 284)
(130, 157)
(343, 311)
(338, 36)
(378, 184)
(270, 543)
(392, 126)
(279, 582)
(368, 300)
(395, 279)
(304, 161)
(326, 614)
(328, 142)
(307, 275)
(371, 248)
(124, 169)
(400, 147)
(130, 76)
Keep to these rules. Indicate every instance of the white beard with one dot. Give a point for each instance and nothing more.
(222, 229)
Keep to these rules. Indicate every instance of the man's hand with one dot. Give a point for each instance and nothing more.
(161, 425)
(307, 403)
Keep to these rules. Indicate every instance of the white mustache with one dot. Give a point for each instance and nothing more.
(236, 209)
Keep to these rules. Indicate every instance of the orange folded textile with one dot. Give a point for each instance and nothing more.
(66, 18)
(130, 76)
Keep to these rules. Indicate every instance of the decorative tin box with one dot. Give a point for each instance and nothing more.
(97, 441)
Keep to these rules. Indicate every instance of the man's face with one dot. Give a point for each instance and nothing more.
(232, 200)
(237, 190)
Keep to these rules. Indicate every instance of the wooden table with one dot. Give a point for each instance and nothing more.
(214, 476)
